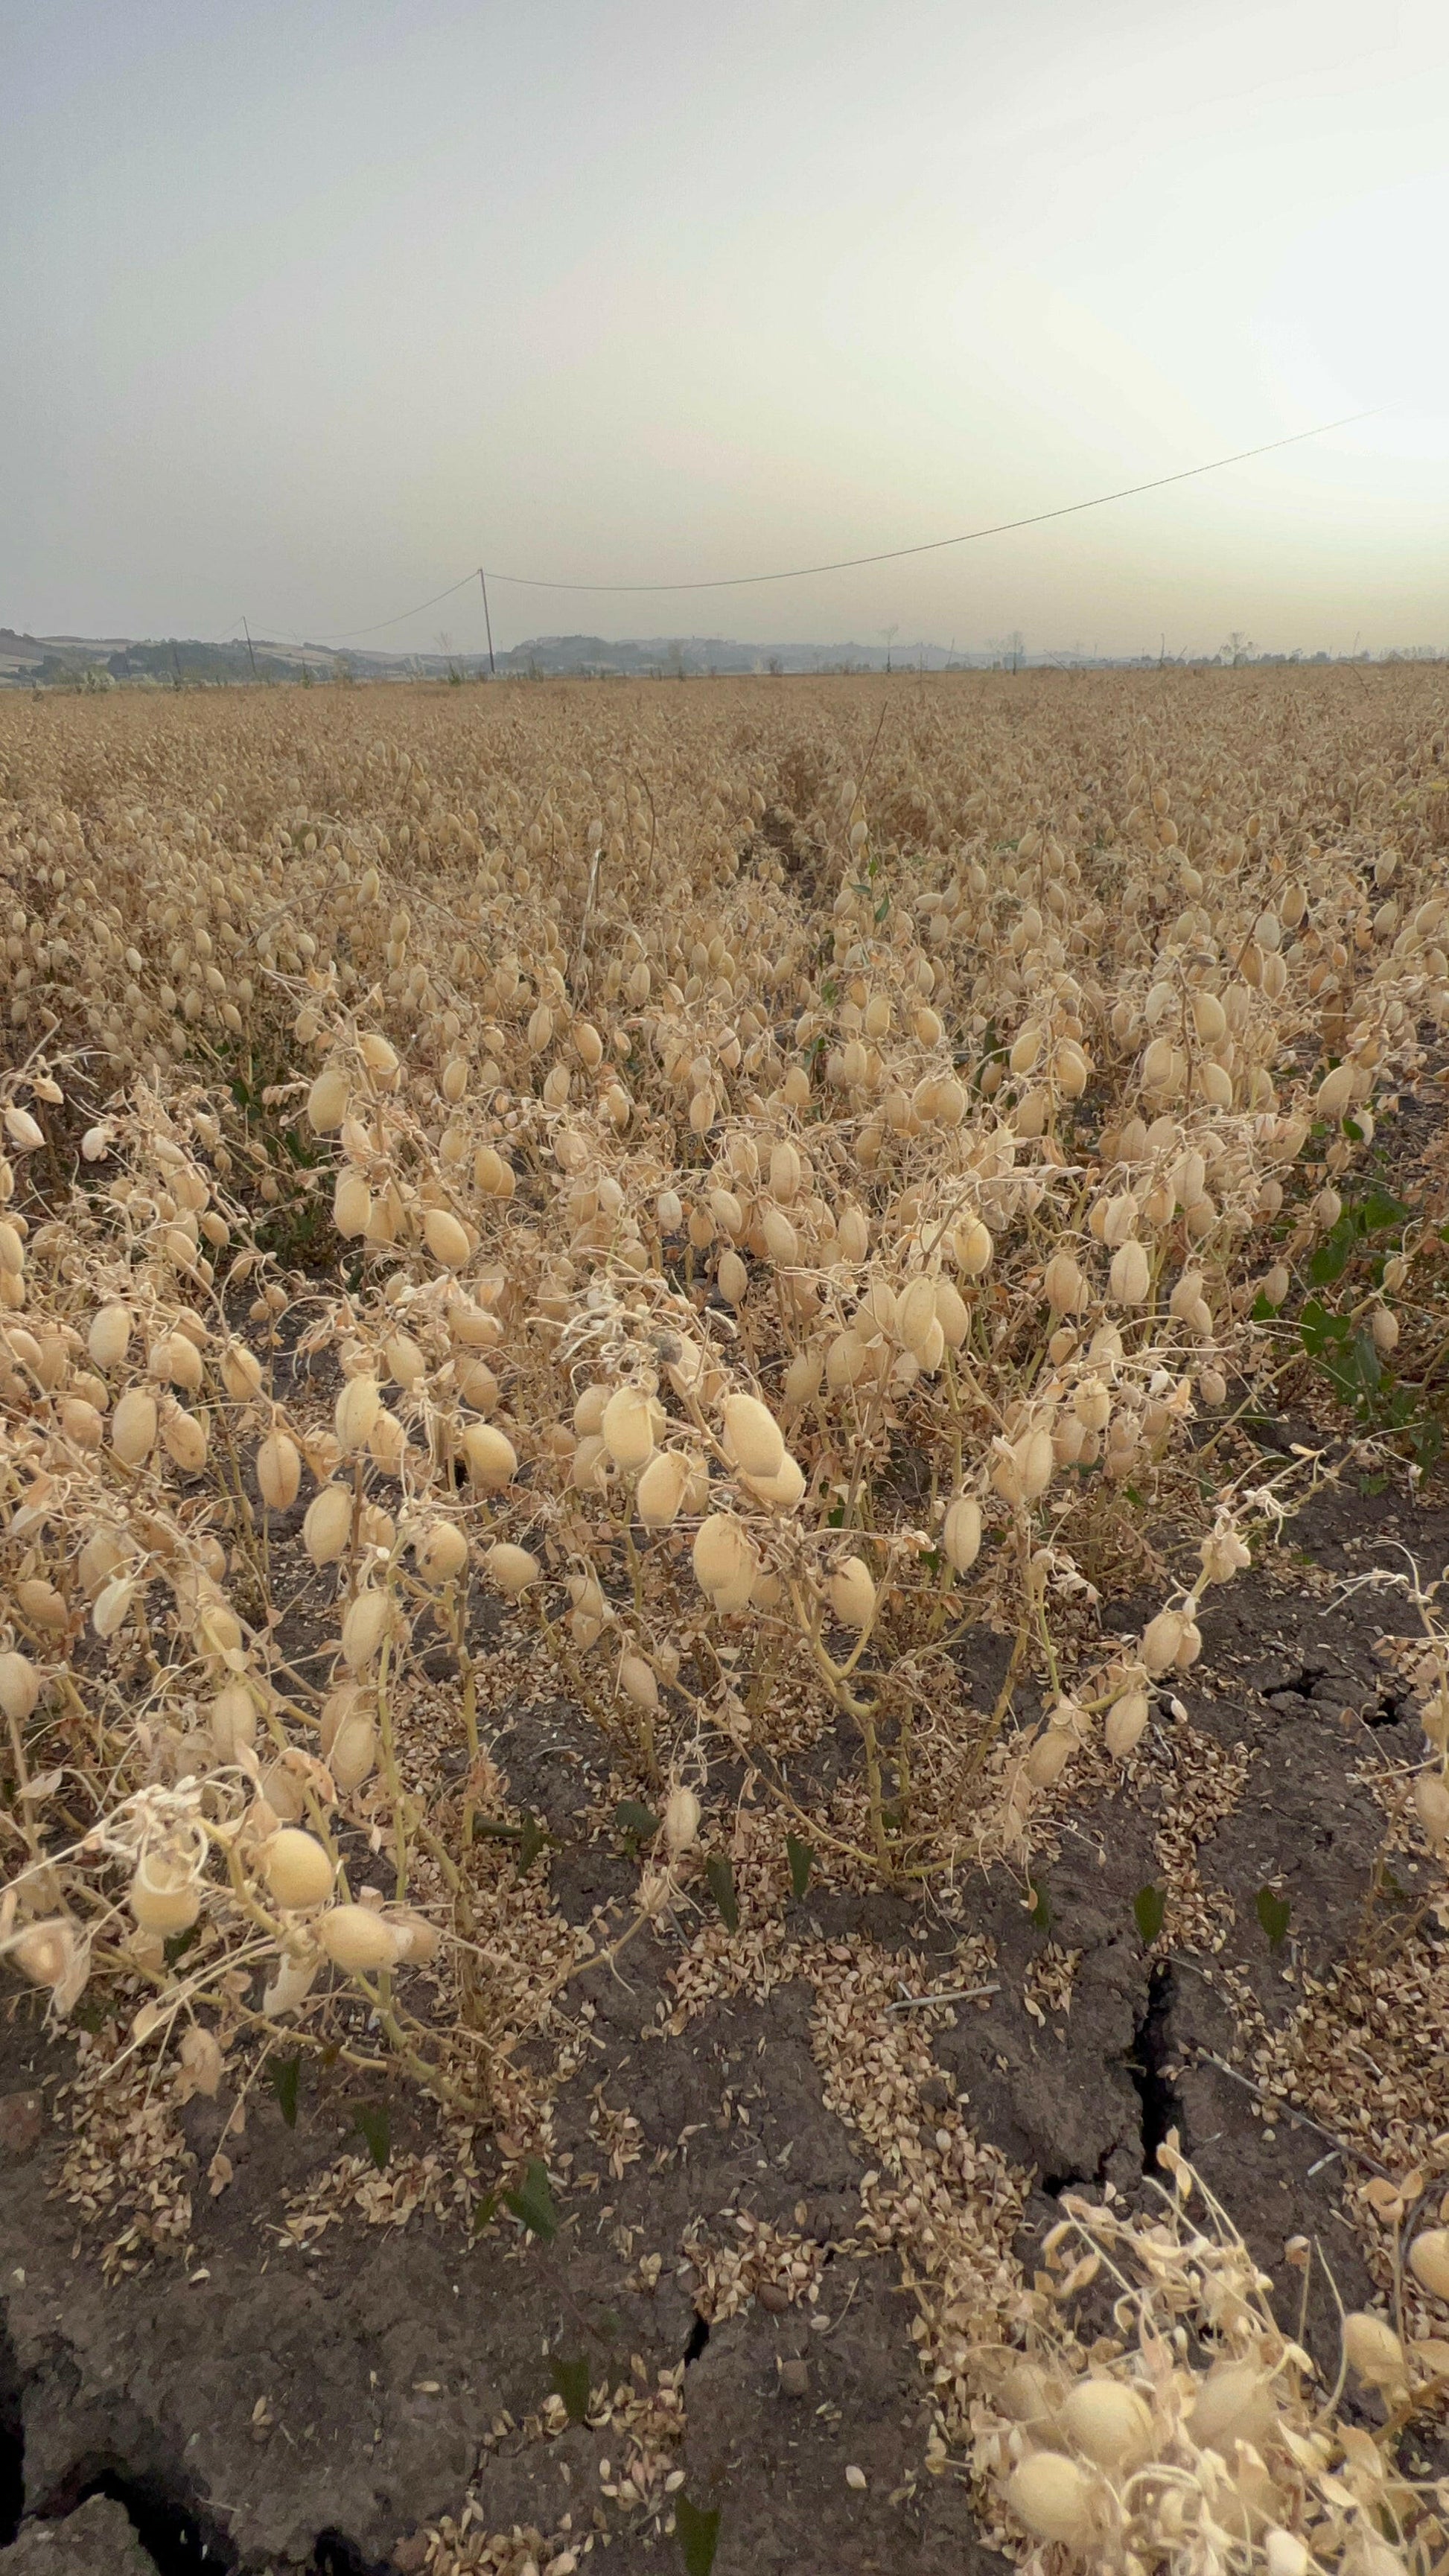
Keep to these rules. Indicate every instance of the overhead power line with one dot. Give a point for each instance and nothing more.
(855, 563)
(347, 633)
(937, 545)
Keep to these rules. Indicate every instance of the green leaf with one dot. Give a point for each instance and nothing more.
(1365, 1364)
(1378, 1210)
(698, 2534)
(801, 1857)
(375, 2122)
(1261, 1311)
(176, 1944)
(1149, 1911)
(721, 1879)
(1318, 1326)
(530, 1843)
(932, 1560)
(1427, 1441)
(1330, 1258)
(533, 2202)
(571, 2383)
(484, 2212)
(1041, 1912)
(638, 1821)
(284, 2073)
(1273, 1913)
(493, 1829)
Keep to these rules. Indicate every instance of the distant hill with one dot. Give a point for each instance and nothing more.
(79, 660)
(102, 662)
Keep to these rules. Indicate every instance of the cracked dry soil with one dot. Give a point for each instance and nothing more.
(260, 2407)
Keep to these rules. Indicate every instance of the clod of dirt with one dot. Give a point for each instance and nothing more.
(98, 2539)
(22, 2124)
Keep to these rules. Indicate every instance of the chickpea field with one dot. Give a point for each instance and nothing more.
(725, 1688)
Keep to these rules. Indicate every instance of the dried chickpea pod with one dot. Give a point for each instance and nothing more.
(1162, 1641)
(1373, 2350)
(1126, 1723)
(327, 1101)
(19, 1687)
(1431, 1802)
(782, 1491)
(351, 1204)
(364, 1627)
(1054, 2498)
(803, 1376)
(1110, 2423)
(961, 1534)
(327, 1525)
(471, 1327)
(661, 1489)
(1429, 2261)
(46, 1951)
(176, 1359)
(164, 1895)
(490, 1457)
(510, 1569)
(134, 1426)
(297, 1870)
(681, 1821)
(722, 1556)
(627, 1428)
(972, 1246)
(1064, 1286)
(590, 1466)
(852, 1593)
(637, 1682)
(1223, 1555)
(241, 1373)
(278, 1471)
(1130, 1274)
(233, 1721)
(440, 1554)
(356, 1411)
(202, 2061)
(446, 1238)
(357, 1939)
(753, 1436)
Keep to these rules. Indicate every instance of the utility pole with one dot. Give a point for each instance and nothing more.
(488, 624)
(247, 632)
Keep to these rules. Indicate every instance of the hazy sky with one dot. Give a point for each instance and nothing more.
(308, 305)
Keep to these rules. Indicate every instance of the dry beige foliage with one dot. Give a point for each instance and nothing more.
(733, 1182)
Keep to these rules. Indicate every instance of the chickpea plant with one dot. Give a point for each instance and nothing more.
(766, 1194)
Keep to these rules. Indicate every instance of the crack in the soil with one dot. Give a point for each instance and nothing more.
(1054, 2184)
(336, 2555)
(182, 2540)
(1148, 2063)
(12, 2439)
(1303, 1684)
(698, 2338)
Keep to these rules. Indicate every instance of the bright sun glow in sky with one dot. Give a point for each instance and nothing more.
(311, 304)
